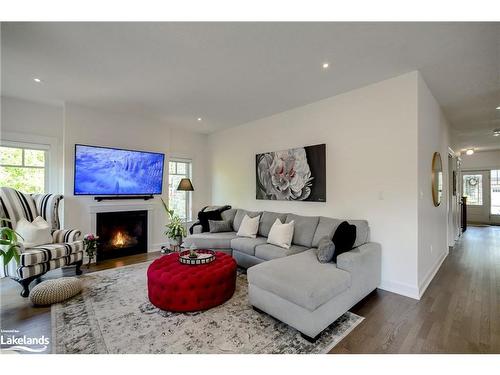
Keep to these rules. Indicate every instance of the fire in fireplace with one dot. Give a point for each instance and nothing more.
(121, 233)
(122, 239)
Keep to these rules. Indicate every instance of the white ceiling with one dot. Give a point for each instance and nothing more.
(232, 73)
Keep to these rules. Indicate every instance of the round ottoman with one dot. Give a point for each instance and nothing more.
(180, 287)
(54, 291)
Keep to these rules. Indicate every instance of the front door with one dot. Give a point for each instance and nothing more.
(476, 187)
(495, 196)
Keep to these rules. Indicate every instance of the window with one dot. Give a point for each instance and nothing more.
(473, 189)
(495, 192)
(24, 168)
(179, 201)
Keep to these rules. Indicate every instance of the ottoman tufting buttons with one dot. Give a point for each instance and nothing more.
(179, 287)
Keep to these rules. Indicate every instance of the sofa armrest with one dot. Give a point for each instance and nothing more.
(66, 235)
(364, 264)
(365, 255)
(196, 228)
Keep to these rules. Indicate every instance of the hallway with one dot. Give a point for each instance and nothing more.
(459, 312)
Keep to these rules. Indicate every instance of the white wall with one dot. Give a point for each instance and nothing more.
(31, 122)
(433, 136)
(371, 139)
(194, 146)
(481, 160)
(28, 117)
(89, 126)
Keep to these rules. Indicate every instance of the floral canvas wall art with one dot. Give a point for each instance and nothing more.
(297, 174)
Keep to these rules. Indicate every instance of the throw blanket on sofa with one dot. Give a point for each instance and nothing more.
(208, 213)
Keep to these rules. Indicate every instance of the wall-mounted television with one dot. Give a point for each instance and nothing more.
(114, 171)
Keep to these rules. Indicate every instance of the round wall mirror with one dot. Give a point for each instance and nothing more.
(437, 179)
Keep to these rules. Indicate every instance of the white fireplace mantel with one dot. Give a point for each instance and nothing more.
(99, 207)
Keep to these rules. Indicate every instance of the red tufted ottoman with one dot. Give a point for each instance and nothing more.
(180, 287)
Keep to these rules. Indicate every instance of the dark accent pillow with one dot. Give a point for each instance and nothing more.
(217, 226)
(205, 216)
(344, 239)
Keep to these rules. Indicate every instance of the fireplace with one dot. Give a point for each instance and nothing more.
(121, 233)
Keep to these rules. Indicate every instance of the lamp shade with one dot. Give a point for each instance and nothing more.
(185, 185)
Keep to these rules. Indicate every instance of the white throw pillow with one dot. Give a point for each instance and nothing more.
(35, 233)
(281, 234)
(249, 226)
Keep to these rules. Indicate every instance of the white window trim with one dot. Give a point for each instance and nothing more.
(491, 193)
(189, 201)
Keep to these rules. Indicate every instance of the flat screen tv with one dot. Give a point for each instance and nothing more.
(113, 171)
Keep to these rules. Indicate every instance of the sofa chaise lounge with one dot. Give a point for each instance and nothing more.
(291, 284)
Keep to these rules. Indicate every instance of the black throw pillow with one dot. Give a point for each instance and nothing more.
(205, 216)
(344, 239)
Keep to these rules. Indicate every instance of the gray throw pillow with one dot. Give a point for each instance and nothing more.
(325, 251)
(217, 226)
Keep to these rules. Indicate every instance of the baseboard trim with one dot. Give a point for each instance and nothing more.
(431, 274)
(403, 289)
(156, 247)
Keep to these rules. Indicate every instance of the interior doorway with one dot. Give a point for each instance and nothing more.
(482, 189)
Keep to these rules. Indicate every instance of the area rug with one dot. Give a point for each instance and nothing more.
(113, 315)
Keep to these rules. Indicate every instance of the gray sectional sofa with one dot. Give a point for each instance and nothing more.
(291, 284)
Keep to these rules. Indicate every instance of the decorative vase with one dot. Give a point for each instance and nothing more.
(177, 241)
(90, 254)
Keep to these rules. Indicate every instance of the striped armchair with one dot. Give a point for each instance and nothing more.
(66, 247)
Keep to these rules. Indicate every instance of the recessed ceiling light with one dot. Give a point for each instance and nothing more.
(199, 119)
(498, 107)
(325, 65)
(470, 151)
(37, 80)
(496, 132)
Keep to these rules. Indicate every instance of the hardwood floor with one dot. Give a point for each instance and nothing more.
(459, 313)
(18, 313)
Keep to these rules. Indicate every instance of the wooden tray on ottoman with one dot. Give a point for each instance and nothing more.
(204, 257)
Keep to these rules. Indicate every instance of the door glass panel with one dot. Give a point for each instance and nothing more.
(495, 192)
(473, 189)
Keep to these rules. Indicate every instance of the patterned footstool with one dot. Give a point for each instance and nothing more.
(54, 291)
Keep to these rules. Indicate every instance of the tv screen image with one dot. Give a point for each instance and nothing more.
(112, 171)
